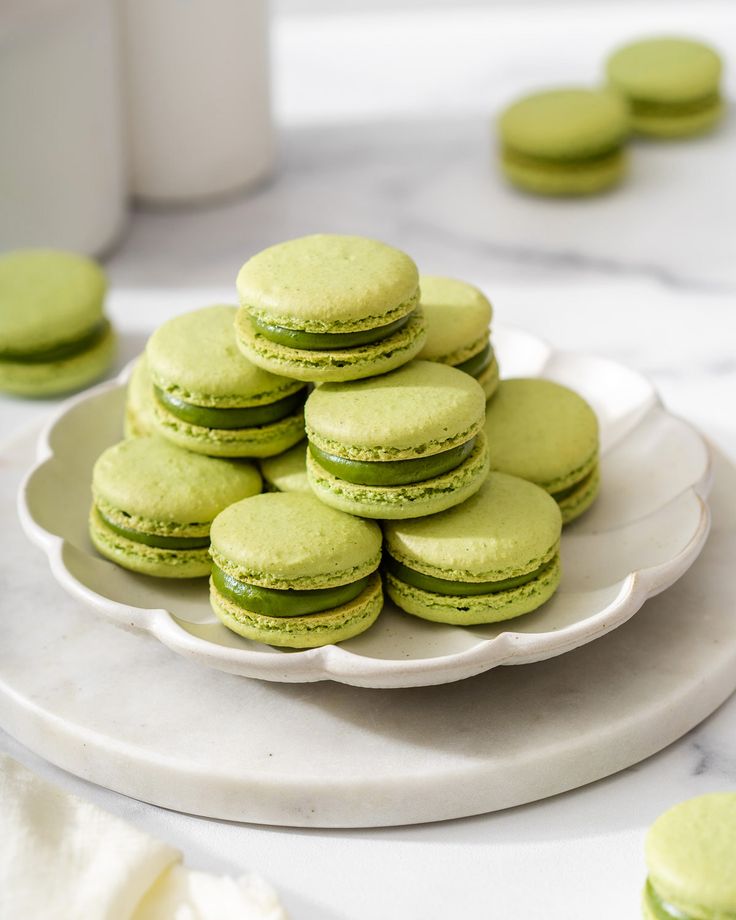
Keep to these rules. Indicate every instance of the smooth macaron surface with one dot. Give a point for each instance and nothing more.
(47, 298)
(287, 472)
(291, 540)
(691, 857)
(139, 401)
(329, 283)
(541, 431)
(458, 317)
(418, 410)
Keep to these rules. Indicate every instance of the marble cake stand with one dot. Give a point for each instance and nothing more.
(121, 710)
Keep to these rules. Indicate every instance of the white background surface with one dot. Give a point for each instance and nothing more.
(418, 91)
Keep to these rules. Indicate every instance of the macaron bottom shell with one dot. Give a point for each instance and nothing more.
(339, 365)
(308, 631)
(262, 441)
(581, 496)
(489, 378)
(147, 560)
(40, 379)
(474, 610)
(406, 501)
(564, 178)
(672, 124)
(653, 908)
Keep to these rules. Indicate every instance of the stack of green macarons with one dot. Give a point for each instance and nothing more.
(571, 140)
(366, 394)
(54, 336)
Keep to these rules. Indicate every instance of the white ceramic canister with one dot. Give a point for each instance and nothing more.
(62, 171)
(198, 96)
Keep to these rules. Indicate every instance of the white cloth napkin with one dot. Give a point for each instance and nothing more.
(62, 858)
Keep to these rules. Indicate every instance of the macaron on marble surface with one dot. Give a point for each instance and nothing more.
(54, 337)
(546, 433)
(565, 141)
(672, 85)
(691, 858)
(458, 317)
(139, 401)
(210, 399)
(494, 557)
(153, 504)
(287, 472)
(402, 445)
(329, 308)
(290, 571)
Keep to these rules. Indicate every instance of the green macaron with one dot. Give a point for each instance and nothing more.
(289, 571)
(139, 401)
(54, 337)
(671, 84)
(458, 318)
(329, 308)
(210, 399)
(494, 557)
(154, 503)
(287, 472)
(565, 141)
(546, 433)
(691, 857)
(401, 445)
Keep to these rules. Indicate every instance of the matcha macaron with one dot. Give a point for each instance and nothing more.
(287, 472)
(494, 557)
(691, 857)
(139, 401)
(153, 504)
(671, 84)
(54, 336)
(565, 141)
(329, 307)
(546, 433)
(458, 318)
(402, 445)
(210, 399)
(289, 571)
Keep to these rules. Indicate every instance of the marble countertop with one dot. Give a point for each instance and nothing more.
(385, 132)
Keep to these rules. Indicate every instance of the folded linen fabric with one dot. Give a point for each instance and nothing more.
(62, 858)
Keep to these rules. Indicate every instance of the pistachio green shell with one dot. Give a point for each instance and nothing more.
(458, 317)
(287, 472)
(139, 401)
(565, 179)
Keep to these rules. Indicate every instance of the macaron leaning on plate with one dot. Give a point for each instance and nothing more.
(153, 504)
(458, 318)
(691, 857)
(329, 308)
(289, 571)
(546, 433)
(565, 141)
(139, 401)
(494, 557)
(210, 399)
(54, 337)
(401, 445)
(671, 84)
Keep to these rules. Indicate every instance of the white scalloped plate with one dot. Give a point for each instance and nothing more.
(646, 529)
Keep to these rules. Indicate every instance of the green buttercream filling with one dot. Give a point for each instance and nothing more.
(393, 472)
(459, 588)
(327, 341)
(59, 352)
(154, 539)
(478, 363)
(673, 109)
(272, 602)
(664, 911)
(563, 164)
(250, 417)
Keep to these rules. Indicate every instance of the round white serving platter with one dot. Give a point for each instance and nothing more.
(644, 531)
(121, 710)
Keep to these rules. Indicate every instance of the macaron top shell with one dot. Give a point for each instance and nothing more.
(329, 283)
(691, 855)
(665, 70)
(457, 315)
(47, 297)
(565, 124)
(509, 527)
(195, 357)
(290, 540)
(416, 411)
(541, 431)
(150, 479)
